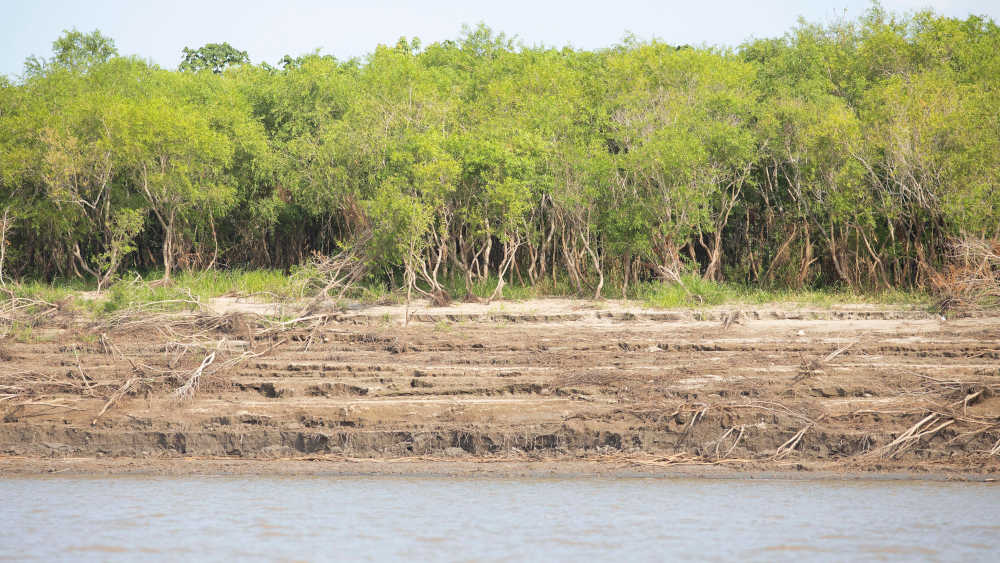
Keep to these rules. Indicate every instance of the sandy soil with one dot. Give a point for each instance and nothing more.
(534, 386)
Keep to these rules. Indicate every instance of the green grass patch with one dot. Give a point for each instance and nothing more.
(273, 284)
(694, 292)
(57, 291)
(697, 292)
(133, 294)
(22, 333)
(187, 289)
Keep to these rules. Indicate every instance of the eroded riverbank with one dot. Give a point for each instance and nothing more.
(605, 386)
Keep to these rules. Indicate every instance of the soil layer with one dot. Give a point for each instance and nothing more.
(590, 387)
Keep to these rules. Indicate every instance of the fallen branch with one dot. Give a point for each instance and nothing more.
(908, 438)
(190, 386)
(722, 439)
(840, 351)
(687, 429)
(733, 447)
(115, 397)
(187, 390)
(793, 442)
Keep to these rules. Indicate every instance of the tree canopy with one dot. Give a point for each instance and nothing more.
(852, 153)
(212, 56)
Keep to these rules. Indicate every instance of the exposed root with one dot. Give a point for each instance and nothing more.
(972, 279)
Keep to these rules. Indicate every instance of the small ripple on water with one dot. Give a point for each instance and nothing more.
(792, 547)
(378, 518)
(898, 550)
(100, 548)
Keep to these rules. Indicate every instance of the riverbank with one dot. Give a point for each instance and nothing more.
(539, 386)
(465, 468)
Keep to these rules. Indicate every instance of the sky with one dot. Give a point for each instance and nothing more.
(267, 30)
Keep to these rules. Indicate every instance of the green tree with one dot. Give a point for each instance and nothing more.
(177, 161)
(76, 51)
(212, 56)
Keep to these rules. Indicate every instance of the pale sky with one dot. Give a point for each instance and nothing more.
(270, 29)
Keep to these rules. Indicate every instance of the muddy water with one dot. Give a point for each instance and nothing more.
(480, 519)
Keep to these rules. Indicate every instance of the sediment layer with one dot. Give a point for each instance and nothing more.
(768, 388)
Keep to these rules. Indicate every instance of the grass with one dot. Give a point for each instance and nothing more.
(21, 333)
(697, 292)
(273, 285)
(131, 290)
(190, 288)
(54, 292)
(126, 295)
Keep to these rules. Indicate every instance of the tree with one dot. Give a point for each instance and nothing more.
(177, 161)
(212, 56)
(76, 51)
(680, 120)
(854, 152)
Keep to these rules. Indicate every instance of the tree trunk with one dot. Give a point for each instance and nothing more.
(168, 249)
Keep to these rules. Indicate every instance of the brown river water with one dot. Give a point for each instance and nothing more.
(491, 519)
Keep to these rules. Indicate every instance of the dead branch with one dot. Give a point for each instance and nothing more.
(789, 446)
(341, 272)
(187, 390)
(840, 351)
(115, 397)
(910, 437)
(690, 425)
(722, 440)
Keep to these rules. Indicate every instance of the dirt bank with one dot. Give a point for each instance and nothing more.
(539, 382)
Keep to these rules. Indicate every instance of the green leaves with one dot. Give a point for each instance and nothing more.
(844, 152)
(74, 51)
(212, 56)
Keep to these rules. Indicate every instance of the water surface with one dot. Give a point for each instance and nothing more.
(490, 519)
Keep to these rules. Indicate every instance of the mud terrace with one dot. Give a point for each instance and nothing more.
(582, 385)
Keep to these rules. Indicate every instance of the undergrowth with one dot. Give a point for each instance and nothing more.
(190, 290)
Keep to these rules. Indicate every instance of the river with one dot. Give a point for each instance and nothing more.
(492, 519)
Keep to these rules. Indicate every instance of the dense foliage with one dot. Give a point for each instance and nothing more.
(853, 153)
